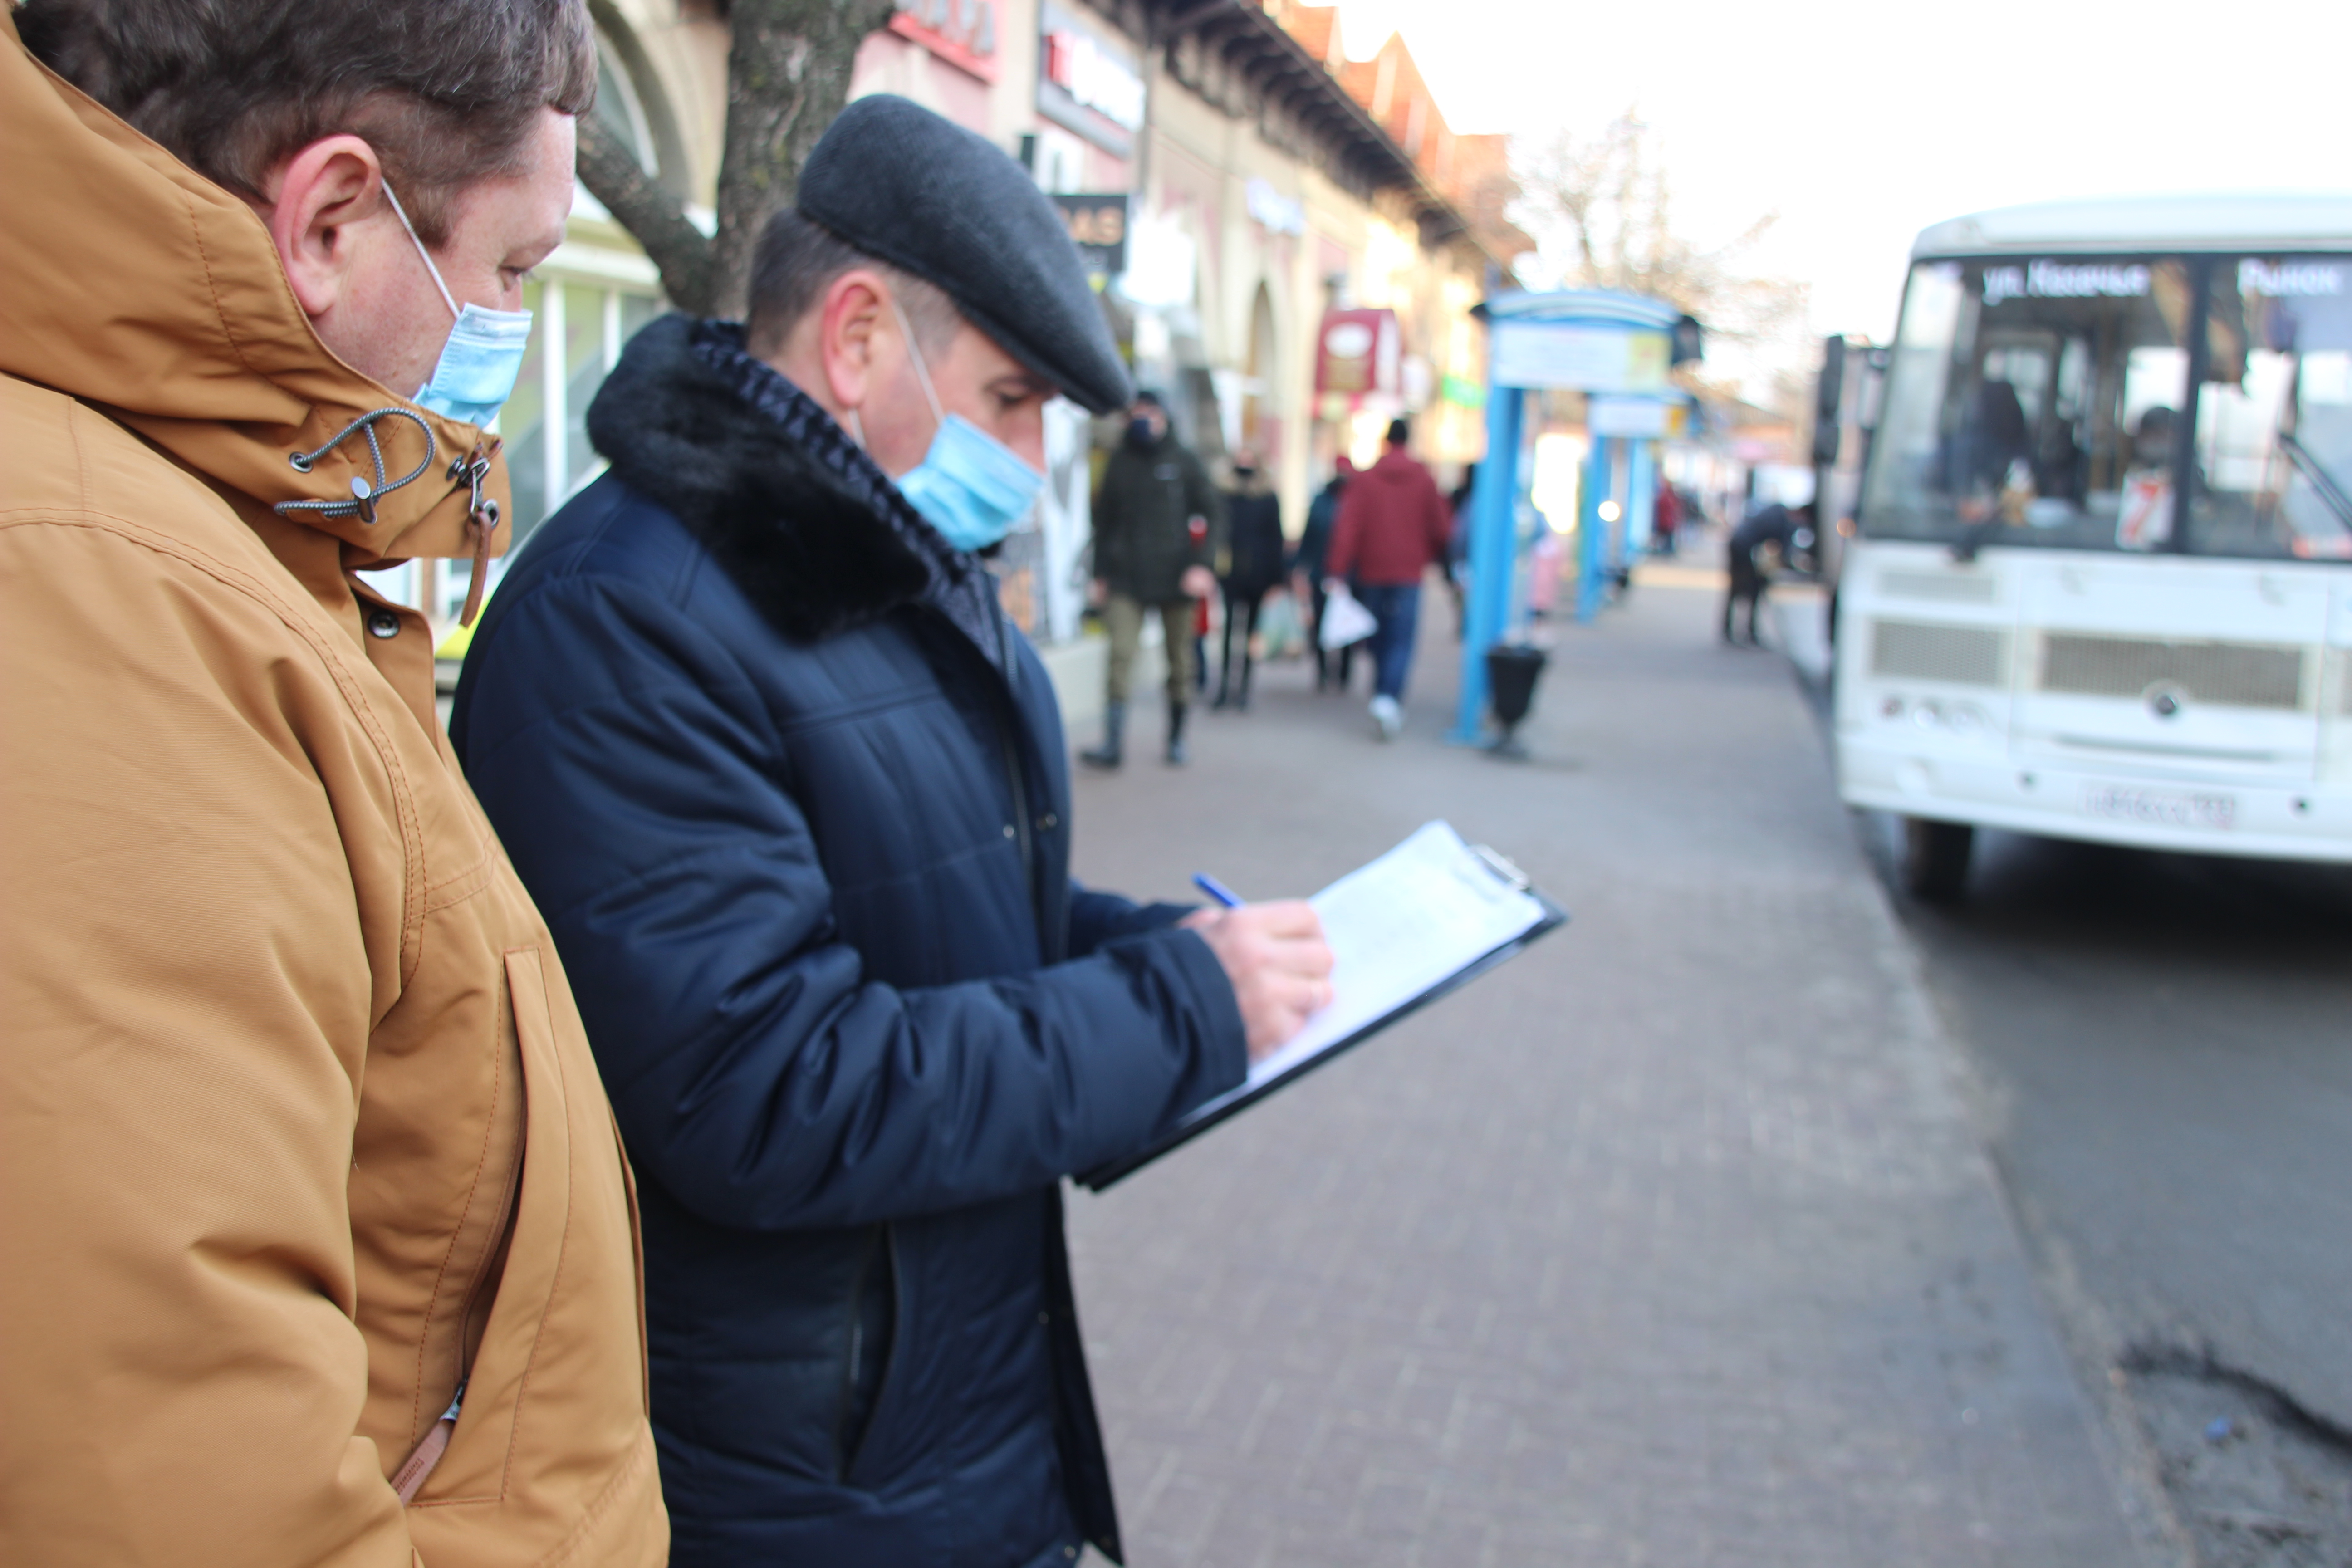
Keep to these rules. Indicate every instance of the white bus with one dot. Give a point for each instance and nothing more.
(2102, 582)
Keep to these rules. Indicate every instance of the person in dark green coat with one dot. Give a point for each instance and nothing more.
(1154, 519)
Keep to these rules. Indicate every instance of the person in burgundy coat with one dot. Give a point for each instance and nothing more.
(1393, 525)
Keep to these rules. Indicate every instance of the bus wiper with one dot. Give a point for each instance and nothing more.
(1974, 536)
(2322, 482)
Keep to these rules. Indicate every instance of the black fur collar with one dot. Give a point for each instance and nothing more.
(795, 511)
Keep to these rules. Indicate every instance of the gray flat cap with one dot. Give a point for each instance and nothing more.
(925, 196)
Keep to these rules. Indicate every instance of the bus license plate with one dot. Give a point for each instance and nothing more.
(2161, 807)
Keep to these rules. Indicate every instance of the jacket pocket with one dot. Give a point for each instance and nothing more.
(475, 1467)
(870, 1354)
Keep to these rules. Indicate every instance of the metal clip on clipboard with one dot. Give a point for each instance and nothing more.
(1512, 877)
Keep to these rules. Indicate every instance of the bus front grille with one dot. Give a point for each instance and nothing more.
(1919, 650)
(2234, 675)
(1950, 587)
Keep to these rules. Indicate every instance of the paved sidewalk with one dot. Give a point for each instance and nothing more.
(1668, 1243)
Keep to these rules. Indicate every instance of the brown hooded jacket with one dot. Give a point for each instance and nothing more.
(299, 1130)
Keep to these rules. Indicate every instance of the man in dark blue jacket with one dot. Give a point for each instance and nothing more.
(792, 794)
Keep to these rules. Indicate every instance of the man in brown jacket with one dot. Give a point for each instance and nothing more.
(318, 1245)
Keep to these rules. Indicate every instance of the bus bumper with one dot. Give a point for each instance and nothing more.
(2202, 815)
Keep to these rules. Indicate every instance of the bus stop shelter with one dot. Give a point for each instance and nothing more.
(1618, 350)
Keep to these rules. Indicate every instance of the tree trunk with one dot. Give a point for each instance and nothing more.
(787, 77)
(788, 69)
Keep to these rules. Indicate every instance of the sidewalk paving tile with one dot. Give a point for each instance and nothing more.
(1666, 1244)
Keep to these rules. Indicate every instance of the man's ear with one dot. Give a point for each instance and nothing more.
(855, 308)
(314, 198)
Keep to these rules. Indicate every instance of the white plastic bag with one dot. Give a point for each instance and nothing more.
(1345, 621)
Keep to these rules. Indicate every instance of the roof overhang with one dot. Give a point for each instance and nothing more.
(1594, 306)
(1262, 46)
(2274, 222)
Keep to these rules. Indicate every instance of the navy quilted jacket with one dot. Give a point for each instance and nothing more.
(792, 794)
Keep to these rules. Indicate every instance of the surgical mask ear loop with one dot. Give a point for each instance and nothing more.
(915, 351)
(401, 213)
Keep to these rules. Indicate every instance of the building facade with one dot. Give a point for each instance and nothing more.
(1255, 204)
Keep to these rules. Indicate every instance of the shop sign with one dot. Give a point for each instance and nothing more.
(1461, 392)
(1097, 225)
(1271, 209)
(1638, 418)
(1579, 358)
(960, 32)
(1088, 80)
(1358, 351)
(1163, 267)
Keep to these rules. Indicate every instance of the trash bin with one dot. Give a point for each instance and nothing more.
(1511, 672)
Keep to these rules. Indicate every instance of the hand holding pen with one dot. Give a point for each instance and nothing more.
(1274, 955)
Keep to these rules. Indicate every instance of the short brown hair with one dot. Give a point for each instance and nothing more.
(797, 260)
(444, 90)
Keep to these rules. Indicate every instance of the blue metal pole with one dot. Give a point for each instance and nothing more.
(1589, 550)
(1493, 502)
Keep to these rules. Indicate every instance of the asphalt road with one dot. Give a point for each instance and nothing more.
(2166, 1043)
(2162, 1052)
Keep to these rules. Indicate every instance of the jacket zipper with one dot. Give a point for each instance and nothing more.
(411, 1476)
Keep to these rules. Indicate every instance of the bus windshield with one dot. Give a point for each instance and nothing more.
(2045, 401)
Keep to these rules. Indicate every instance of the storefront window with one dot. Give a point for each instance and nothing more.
(545, 423)
(519, 420)
(587, 337)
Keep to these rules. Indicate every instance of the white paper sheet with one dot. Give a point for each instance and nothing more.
(1398, 926)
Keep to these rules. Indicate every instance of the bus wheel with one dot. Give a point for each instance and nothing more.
(1936, 859)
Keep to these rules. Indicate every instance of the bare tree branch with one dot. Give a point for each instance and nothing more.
(1608, 202)
(652, 216)
(788, 70)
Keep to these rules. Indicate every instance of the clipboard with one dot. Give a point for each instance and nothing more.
(1224, 1107)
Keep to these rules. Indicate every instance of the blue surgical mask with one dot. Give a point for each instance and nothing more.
(477, 370)
(970, 485)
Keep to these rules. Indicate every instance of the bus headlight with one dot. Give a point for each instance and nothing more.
(1950, 716)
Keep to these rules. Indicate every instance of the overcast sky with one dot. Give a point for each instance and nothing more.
(1862, 122)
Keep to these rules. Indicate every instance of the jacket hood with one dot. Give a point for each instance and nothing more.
(130, 282)
(1395, 465)
(796, 512)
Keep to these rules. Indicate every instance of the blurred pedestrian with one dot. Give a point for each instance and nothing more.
(1253, 569)
(314, 1206)
(1772, 524)
(1200, 665)
(1392, 527)
(1153, 519)
(790, 787)
(1458, 548)
(1546, 560)
(1665, 517)
(1331, 667)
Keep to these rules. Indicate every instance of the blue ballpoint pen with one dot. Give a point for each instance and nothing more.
(1216, 889)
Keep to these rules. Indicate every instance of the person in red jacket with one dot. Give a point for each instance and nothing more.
(1393, 525)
